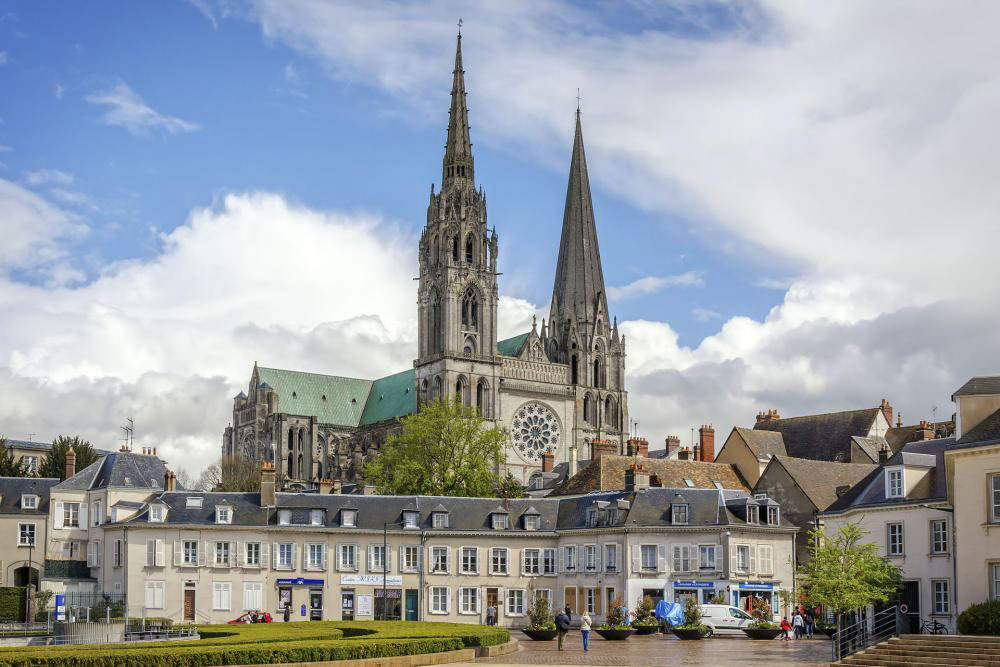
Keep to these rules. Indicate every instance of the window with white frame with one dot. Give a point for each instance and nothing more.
(193, 502)
(679, 514)
(253, 595)
(411, 520)
(154, 553)
(742, 558)
(284, 517)
(544, 594)
(893, 482)
(996, 580)
(772, 516)
(498, 560)
(316, 556)
(285, 556)
(347, 557)
(376, 557)
(501, 521)
(570, 563)
(25, 534)
(682, 558)
(765, 558)
(97, 517)
(611, 557)
(532, 522)
(706, 557)
(995, 497)
(252, 550)
(515, 602)
(939, 536)
(348, 518)
(439, 559)
(71, 515)
(118, 554)
(753, 514)
(222, 553)
(439, 599)
(155, 513)
(894, 539)
(411, 558)
(590, 557)
(548, 561)
(612, 517)
(647, 553)
(469, 600)
(32, 463)
(93, 554)
(223, 514)
(470, 560)
(439, 519)
(942, 596)
(190, 552)
(154, 595)
(531, 561)
(591, 596)
(316, 518)
(591, 517)
(221, 595)
(29, 501)
(609, 596)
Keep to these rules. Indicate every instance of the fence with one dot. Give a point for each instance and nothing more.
(866, 629)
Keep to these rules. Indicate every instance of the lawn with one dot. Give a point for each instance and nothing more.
(267, 644)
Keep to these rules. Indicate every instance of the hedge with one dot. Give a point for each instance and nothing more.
(982, 618)
(268, 644)
(12, 603)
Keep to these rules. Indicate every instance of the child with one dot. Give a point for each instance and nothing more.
(785, 627)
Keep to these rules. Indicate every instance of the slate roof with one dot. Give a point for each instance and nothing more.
(985, 431)
(871, 490)
(511, 347)
(764, 444)
(979, 385)
(118, 470)
(819, 479)
(608, 474)
(246, 510)
(28, 444)
(897, 436)
(825, 437)
(12, 488)
(870, 446)
(391, 397)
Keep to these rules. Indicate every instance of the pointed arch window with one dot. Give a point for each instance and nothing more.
(470, 308)
(588, 406)
(483, 397)
(436, 257)
(462, 391)
(598, 372)
(574, 371)
(470, 254)
(454, 248)
(435, 343)
(610, 413)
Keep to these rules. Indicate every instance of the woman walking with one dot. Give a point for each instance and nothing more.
(585, 622)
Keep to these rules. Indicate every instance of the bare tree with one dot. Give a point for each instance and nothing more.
(184, 479)
(231, 473)
(209, 478)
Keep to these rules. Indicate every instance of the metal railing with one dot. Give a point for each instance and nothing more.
(867, 630)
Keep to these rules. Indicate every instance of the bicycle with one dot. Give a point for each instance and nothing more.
(932, 627)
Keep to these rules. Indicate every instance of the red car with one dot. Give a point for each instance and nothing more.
(253, 617)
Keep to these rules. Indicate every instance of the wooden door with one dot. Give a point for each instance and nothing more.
(189, 605)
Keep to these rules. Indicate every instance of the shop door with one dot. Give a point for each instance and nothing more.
(315, 605)
(189, 604)
(411, 605)
(493, 600)
(347, 606)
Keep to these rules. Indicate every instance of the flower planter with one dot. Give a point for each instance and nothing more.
(615, 635)
(829, 631)
(688, 633)
(762, 633)
(646, 629)
(540, 635)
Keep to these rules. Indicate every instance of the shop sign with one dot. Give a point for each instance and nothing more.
(756, 586)
(694, 584)
(390, 593)
(300, 582)
(364, 605)
(370, 580)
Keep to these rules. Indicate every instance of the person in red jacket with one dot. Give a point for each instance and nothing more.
(785, 627)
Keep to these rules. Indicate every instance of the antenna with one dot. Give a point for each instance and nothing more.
(129, 431)
(459, 27)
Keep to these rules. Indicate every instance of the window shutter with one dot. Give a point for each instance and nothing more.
(264, 556)
(447, 599)
(636, 558)
(160, 559)
(478, 600)
(387, 563)
(478, 564)
(150, 553)
(98, 548)
(562, 558)
(58, 518)
(295, 555)
(208, 555)
(661, 558)
(178, 552)
(430, 559)
(597, 600)
(524, 561)
(569, 598)
(90, 554)
(753, 559)
(677, 558)
(597, 557)
(83, 516)
(233, 555)
(274, 554)
(241, 556)
(734, 563)
(581, 600)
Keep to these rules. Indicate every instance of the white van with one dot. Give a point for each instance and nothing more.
(723, 619)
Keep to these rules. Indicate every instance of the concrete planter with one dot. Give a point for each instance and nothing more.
(762, 633)
(688, 633)
(540, 635)
(89, 633)
(646, 629)
(615, 635)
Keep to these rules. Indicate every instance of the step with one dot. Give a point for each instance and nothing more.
(979, 639)
(917, 653)
(944, 651)
(881, 661)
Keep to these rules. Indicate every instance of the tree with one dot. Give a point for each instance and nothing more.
(54, 463)
(443, 450)
(231, 473)
(509, 487)
(209, 478)
(184, 479)
(9, 467)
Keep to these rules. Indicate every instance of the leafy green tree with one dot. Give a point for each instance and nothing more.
(9, 466)
(443, 450)
(509, 487)
(54, 463)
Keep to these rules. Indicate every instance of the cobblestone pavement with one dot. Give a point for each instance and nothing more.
(667, 650)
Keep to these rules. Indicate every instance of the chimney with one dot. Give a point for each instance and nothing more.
(925, 431)
(706, 443)
(769, 416)
(841, 490)
(572, 459)
(684, 454)
(267, 483)
(337, 487)
(899, 420)
(70, 462)
(886, 408)
(883, 455)
(636, 478)
(368, 490)
(673, 444)
(599, 448)
(638, 447)
(548, 461)
(325, 486)
(169, 481)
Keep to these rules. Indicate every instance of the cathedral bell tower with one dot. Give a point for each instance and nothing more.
(457, 294)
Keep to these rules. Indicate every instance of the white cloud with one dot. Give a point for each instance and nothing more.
(206, 10)
(127, 109)
(32, 229)
(46, 176)
(653, 284)
(705, 314)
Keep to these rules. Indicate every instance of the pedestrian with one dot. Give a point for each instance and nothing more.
(785, 627)
(491, 618)
(810, 622)
(799, 624)
(585, 630)
(562, 625)
(288, 612)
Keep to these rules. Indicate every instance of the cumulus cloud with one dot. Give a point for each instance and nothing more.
(32, 229)
(653, 284)
(705, 314)
(125, 108)
(47, 176)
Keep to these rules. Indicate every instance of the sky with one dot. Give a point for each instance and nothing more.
(796, 202)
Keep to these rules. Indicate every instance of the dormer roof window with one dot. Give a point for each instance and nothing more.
(29, 501)
(500, 519)
(532, 519)
(679, 512)
(193, 502)
(411, 519)
(157, 513)
(773, 516)
(223, 513)
(348, 518)
(753, 513)
(439, 517)
(894, 486)
(591, 517)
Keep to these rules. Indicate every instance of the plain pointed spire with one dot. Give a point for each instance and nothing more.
(458, 162)
(579, 284)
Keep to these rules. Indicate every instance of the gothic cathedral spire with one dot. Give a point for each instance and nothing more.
(458, 165)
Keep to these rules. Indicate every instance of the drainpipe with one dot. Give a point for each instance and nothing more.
(420, 589)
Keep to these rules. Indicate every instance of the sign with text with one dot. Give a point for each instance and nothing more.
(300, 582)
(369, 580)
(694, 584)
(755, 586)
(364, 605)
(60, 607)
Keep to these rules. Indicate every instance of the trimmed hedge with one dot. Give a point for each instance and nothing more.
(12, 603)
(268, 644)
(982, 618)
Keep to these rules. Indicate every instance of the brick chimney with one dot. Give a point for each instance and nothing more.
(886, 408)
(925, 431)
(169, 481)
(684, 454)
(268, 479)
(599, 448)
(636, 478)
(70, 462)
(673, 444)
(548, 461)
(638, 447)
(706, 443)
(769, 416)
(883, 455)
(325, 486)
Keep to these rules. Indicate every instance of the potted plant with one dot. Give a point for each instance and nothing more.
(615, 626)
(692, 628)
(643, 620)
(762, 627)
(541, 626)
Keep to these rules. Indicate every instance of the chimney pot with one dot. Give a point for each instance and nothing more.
(883, 454)
(548, 461)
(886, 410)
(70, 462)
(706, 443)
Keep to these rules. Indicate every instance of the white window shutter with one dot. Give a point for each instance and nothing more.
(753, 558)
(208, 553)
(734, 561)
(265, 555)
(420, 559)
(637, 558)
(233, 546)
(97, 552)
(387, 562)
(430, 559)
(295, 555)
(562, 559)
(274, 551)
(150, 553)
(677, 557)
(58, 518)
(597, 556)
(241, 557)
(477, 560)
(447, 600)
(524, 561)
(661, 558)
(90, 554)
(83, 516)
(178, 552)
(160, 560)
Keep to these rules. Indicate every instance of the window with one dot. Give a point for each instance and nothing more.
(939, 536)
(591, 517)
(742, 558)
(252, 557)
(772, 516)
(498, 560)
(285, 557)
(98, 516)
(548, 561)
(347, 557)
(532, 522)
(611, 557)
(590, 600)
(470, 560)
(995, 488)
(682, 558)
(221, 591)
(154, 595)
(609, 596)
(706, 557)
(154, 553)
(612, 517)
(192, 503)
(118, 554)
(411, 558)
(469, 600)
(316, 517)
(439, 519)
(439, 559)
(410, 519)
(32, 462)
(223, 515)
(376, 557)
(439, 600)
(679, 514)
(29, 502)
(515, 602)
(25, 534)
(765, 558)
(348, 518)
(590, 557)
(190, 552)
(544, 594)
(222, 553)
(315, 556)
(996, 581)
(501, 521)
(155, 513)
(71, 515)
(648, 553)
(570, 558)
(753, 514)
(894, 483)
(253, 596)
(530, 561)
(894, 541)
(942, 597)
(284, 517)
(93, 554)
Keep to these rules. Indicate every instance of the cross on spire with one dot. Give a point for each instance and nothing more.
(578, 98)
(459, 27)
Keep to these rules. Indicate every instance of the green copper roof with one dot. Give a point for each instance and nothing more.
(511, 347)
(390, 397)
(333, 400)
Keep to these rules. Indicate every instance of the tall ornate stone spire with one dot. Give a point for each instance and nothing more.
(459, 165)
(578, 293)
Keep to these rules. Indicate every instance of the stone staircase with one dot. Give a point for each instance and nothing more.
(930, 651)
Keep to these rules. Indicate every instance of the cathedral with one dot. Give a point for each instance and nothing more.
(559, 388)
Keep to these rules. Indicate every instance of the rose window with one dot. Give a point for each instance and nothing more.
(534, 430)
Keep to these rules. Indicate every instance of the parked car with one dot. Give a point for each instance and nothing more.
(722, 618)
(253, 617)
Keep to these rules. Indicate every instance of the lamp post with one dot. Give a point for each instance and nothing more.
(27, 590)
(385, 563)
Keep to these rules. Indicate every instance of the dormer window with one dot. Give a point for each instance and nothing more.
(316, 518)
(193, 503)
(894, 483)
(439, 519)
(532, 522)
(689, 483)
(679, 514)
(29, 502)
(753, 514)
(773, 518)
(223, 514)
(411, 519)
(500, 521)
(612, 519)
(284, 517)
(591, 517)
(349, 518)
(156, 513)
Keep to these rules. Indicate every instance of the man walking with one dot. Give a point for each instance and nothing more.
(810, 622)
(562, 625)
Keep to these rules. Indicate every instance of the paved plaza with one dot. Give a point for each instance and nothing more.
(667, 650)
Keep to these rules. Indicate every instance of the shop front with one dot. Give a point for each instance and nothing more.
(747, 595)
(368, 597)
(701, 591)
(302, 597)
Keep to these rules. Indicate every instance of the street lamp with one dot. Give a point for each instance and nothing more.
(385, 563)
